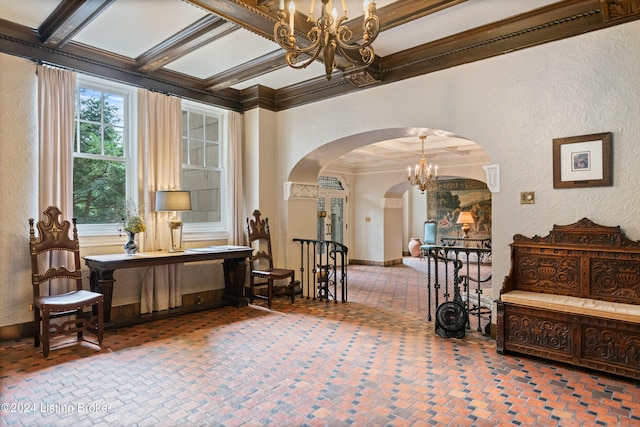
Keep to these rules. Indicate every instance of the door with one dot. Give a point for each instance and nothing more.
(331, 216)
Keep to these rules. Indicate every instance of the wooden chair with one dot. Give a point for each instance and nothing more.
(52, 246)
(261, 261)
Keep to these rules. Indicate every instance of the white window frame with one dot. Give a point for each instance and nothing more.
(104, 234)
(203, 231)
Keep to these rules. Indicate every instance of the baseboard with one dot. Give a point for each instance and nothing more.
(390, 263)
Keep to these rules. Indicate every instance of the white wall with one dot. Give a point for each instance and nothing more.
(513, 106)
(19, 145)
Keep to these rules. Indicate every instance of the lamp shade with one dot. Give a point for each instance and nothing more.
(465, 218)
(169, 201)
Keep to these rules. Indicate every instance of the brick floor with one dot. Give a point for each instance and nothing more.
(374, 361)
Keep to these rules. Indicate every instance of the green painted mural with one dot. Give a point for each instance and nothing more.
(459, 195)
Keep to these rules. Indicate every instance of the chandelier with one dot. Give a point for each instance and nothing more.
(422, 176)
(327, 35)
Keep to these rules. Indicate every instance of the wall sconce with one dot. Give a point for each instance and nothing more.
(173, 201)
(465, 218)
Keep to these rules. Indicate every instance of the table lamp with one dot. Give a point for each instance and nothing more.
(173, 201)
(465, 218)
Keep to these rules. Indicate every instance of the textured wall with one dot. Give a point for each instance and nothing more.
(18, 183)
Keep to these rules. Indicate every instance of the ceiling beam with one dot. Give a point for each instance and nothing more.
(69, 18)
(198, 34)
(247, 71)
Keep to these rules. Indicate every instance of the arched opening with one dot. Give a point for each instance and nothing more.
(373, 167)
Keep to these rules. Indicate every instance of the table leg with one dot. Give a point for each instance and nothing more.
(234, 277)
(101, 281)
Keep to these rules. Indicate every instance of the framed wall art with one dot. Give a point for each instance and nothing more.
(583, 161)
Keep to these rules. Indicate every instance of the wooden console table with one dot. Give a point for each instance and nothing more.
(101, 268)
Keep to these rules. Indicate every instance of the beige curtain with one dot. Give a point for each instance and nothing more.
(237, 214)
(159, 168)
(56, 96)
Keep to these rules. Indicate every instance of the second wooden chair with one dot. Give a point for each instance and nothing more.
(261, 261)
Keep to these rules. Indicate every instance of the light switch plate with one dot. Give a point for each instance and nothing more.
(527, 198)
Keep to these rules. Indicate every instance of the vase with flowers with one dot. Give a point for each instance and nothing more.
(132, 223)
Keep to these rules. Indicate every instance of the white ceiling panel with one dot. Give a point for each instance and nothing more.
(130, 28)
(462, 17)
(284, 77)
(30, 13)
(217, 57)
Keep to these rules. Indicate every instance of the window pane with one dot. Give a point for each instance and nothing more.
(114, 109)
(90, 107)
(90, 138)
(99, 190)
(196, 126)
(212, 128)
(196, 153)
(205, 195)
(212, 154)
(113, 141)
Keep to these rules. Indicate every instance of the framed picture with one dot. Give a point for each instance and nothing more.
(583, 161)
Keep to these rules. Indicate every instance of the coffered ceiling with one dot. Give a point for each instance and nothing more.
(222, 52)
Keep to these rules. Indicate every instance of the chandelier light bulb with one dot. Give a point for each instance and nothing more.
(328, 38)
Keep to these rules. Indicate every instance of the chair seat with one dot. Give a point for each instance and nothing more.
(70, 301)
(273, 273)
(425, 247)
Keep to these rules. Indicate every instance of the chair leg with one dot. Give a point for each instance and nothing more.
(292, 288)
(251, 290)
(45, 333)
(100, 331)
(80, 323)
(36, 326)
(269, 292)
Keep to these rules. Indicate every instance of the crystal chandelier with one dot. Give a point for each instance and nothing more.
(327, 35)
(422, 176)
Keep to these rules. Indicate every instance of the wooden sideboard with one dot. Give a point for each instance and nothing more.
(101, 268)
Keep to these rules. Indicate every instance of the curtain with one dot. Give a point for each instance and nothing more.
(56, 100)
(159, 168)
(237, 215)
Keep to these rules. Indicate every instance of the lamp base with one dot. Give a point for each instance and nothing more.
(175, 228)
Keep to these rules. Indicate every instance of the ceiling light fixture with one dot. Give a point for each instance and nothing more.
(422, 176)
(327, 35)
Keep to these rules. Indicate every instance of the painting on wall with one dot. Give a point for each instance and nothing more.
(458, 195)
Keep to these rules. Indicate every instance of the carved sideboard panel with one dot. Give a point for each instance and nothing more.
(548, 274)
(538, 332)
(615, 280)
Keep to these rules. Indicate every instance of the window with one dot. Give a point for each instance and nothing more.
(102, 167)
(203, 166)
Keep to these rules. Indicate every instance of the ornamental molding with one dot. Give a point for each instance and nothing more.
(393, 203)
(295, 190)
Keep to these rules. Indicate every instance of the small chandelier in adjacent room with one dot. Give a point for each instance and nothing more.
(327, 36)
(422, 176)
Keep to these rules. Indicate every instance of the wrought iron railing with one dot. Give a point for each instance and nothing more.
(323, 269)
(462, 266)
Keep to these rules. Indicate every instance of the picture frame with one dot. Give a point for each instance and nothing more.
(583, 161)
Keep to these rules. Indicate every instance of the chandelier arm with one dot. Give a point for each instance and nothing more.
(371, 27)
(367, 55)
(292, 59)
(287, 41)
